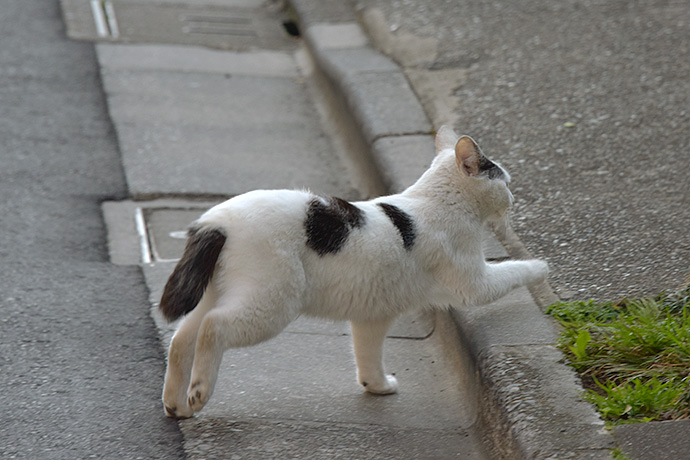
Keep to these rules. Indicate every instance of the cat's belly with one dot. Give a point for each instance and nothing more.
(349, 299)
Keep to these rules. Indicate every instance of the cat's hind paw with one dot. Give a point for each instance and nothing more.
(197, 396)
(175, 403)
(385, 387)
(179, 413)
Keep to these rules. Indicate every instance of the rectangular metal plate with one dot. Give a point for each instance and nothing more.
(167, 231)
(232, 27)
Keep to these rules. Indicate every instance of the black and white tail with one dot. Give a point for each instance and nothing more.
(193, 272)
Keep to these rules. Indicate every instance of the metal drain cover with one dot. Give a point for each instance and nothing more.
(167, 231)
(235, 25)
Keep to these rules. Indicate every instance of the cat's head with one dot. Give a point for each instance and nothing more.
(483, 181)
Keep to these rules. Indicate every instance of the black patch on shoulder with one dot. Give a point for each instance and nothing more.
(489, 168)
(328, 224)
(403, 222)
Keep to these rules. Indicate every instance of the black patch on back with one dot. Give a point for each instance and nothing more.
(328, 224)
(489, 168)
(193, 272)
(403, 222)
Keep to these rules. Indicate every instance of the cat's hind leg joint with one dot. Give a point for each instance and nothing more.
(238, 321)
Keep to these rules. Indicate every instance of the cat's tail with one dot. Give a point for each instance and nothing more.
(193, 272)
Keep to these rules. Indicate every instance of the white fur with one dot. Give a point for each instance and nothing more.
(266, 276)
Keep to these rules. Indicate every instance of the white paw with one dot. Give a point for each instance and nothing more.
(541, 271)
(384, 387)
(178, 411)
(198, 395)
(175, 403)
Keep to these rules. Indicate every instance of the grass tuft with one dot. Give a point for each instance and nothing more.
(633, 356)
(618, 454)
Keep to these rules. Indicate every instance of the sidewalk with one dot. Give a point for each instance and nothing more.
(197, 123)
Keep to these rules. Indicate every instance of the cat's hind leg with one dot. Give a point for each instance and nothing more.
(244, 317)
(181, 357)
(368, 337)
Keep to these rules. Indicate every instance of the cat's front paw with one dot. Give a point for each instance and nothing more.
(383, 387)
(540, 270)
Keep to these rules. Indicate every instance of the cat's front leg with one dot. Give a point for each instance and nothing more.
(520, 272)
(368, 337)
(499, 279)
(539, 272)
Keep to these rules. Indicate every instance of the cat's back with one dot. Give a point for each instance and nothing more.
(260, 207)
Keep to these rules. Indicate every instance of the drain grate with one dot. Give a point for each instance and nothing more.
(214, 26)
(224, 25)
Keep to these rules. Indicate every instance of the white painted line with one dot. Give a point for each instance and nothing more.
(168, 260)
(112, 20)
(143, 236)
(99, 18)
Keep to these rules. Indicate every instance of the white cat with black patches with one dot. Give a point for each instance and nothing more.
(258, 261)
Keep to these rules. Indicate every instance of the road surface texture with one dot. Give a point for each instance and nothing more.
(81, 362)
(586, 103)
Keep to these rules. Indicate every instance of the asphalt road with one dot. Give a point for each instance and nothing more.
(587, 105)
(80, 363)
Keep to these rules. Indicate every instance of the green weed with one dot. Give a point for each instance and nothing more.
(636, 401)
(579, 348)
(633, 356)
(618, 454)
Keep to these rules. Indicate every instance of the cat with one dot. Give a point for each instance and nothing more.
(256, 262)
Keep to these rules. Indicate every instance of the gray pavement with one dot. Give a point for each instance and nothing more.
(193, 121)
(207, 100)
(80, 363)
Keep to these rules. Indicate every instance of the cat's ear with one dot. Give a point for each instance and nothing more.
(445, 138)
(467, 156)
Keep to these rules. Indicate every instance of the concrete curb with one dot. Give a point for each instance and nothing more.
(373, 89)
(529, 399)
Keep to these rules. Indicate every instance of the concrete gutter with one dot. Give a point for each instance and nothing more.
(530, 405)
